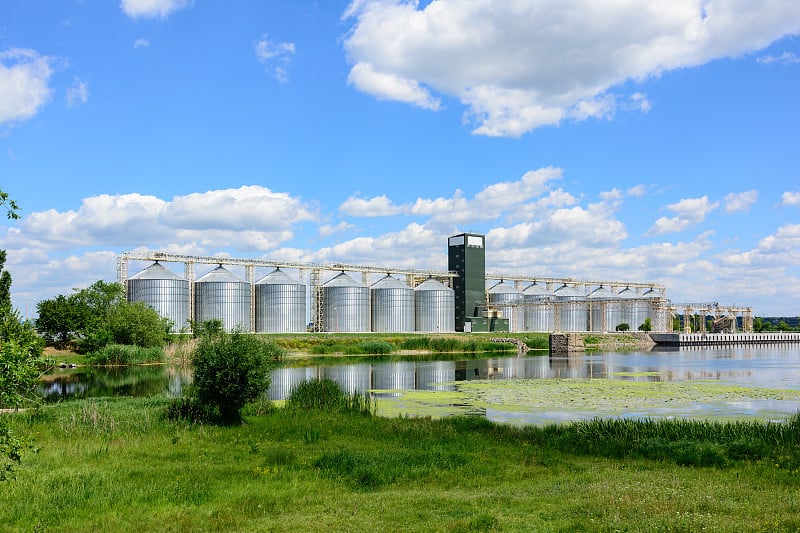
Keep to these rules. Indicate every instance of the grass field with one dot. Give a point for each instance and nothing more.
(119, 465)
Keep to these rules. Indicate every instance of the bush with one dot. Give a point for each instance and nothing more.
(122, 354)
(231, 369)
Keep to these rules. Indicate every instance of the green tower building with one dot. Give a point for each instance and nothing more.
(466, 256)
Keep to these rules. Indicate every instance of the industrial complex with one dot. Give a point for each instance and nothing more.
(298, 297)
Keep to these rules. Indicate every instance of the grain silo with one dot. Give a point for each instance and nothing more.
(392, 306)
(280, 304)
(571, 309)
(503, 293)
(604, 309)
(634, 308)
(164, 291)
(434, 307)
(219, 295)
(345, 305)
(538, 309)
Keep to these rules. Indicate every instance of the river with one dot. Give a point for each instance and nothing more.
(761, 382)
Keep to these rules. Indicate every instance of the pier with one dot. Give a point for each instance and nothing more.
(724, 339)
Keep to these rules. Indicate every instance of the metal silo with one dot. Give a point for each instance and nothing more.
(392, 306)
(502, 293)
(164, 291)
(219, 295)
(656, 312)
(538, 310)
(634, 308)
(434, 306)
(280, 304)
(345, 305)
(572, 313)
(605, 310)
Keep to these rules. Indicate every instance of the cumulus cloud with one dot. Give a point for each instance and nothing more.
(520, 64)
(248, 217)
(790, 198)
(377, 206)
(24, 79)
(786, 58)
(141, 43)
(152, 8)
(689, 211)
(276, 56)
(740, 202)
(78, 94)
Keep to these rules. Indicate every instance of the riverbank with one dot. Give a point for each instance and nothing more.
(118, 465)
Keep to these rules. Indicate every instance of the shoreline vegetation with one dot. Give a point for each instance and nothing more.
(314, 345)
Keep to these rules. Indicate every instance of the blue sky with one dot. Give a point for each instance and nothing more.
(640, 141)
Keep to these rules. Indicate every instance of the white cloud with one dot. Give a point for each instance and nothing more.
(152, 8)
(251, 217)
(24, 78)
(786, 58)
(141, 43)
(377, 206)
(790, 198)
(326, 230)
(740, 202)
(275, 55)
(689, 211)
(521, 64)
(387, 86)
(78, 94)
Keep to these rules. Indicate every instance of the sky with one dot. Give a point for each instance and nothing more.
(595, 139)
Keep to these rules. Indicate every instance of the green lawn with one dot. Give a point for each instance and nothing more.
(118, 465)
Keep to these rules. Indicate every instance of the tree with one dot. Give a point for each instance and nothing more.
(647, 325)
(12, 209)
(5, 282)
(623, 327)
(99, 315)
(231, 369)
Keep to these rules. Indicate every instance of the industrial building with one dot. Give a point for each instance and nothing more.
(299, 297)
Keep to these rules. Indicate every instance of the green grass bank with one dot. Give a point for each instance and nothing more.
(119, 465)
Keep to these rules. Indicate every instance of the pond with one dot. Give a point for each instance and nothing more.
(760, 382)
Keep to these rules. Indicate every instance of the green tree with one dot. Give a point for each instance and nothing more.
(99, 315)
(11, 207)
(5, 282)
(231, 369)
(623, 327)
(647, 325)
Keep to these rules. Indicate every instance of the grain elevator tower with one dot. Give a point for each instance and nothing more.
(466, 256)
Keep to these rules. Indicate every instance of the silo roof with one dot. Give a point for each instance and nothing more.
(432, 285)
(343, 280)
(503, 288)
(219, 275)
(278, 277)
(156, 271)
(390, 283)
(627, 292)
(535, 289)
(601, 293)
(566, 290)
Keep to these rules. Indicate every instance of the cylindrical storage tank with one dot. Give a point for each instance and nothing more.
(219, 295)
(605, 310)
(572, 312)
(164, 291)
(392, 306)
(434, 307)
(658, 315)
(345, 305)
(280, 304)
(538, 309)
(501, 293)
(634, 308)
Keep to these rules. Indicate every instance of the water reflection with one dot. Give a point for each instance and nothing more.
(758, 366)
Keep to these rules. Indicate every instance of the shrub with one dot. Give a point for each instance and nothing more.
(231, 369)
(123, 354)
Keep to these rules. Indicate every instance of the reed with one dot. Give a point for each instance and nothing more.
(125, 354)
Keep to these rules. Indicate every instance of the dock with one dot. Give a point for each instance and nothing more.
(724, 339)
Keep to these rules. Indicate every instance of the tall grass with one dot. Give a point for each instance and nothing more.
(327, 395)
(125, 354)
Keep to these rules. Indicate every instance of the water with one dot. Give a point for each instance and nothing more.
(412, 387)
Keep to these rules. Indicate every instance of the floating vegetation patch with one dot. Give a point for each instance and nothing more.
(541, 401)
